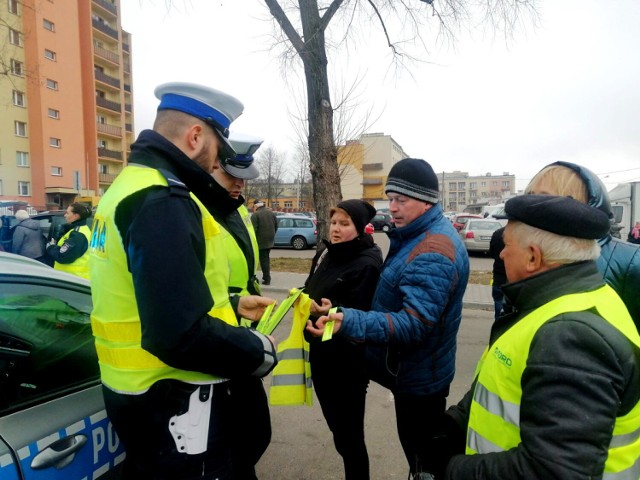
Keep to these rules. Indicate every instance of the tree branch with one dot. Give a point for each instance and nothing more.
(287, 27)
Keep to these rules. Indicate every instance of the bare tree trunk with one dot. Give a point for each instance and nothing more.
(322, 149)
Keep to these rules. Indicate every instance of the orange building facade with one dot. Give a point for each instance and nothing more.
(67, 98)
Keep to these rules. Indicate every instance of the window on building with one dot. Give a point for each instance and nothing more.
(15, 37)
(275, 205)
(52, 84)
(288, 204)
(22, 159)
(102, 143)
(49, 25)
(55, 142)
(21, 128)
(18, 98)
(53, 113)
(17, 67)
(483, 184)
(506, 183)
(49, 54)
(461, 185)
(102, 168)
(102, 119)
(56, 171)
(473, 185)
(13, 6)
(24, 189)
(302, 204)
(452, 186)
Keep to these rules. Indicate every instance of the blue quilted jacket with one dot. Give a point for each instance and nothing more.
(411, 329)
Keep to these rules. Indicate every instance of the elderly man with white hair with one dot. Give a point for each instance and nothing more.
(27, 237)
(557, 391)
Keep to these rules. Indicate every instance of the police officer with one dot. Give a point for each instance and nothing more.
(557, 394)
(71, 252)
(166, 329)
(247, 394)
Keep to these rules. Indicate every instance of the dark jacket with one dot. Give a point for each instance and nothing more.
(417, 307)
(495, 247)
(74, 247)
(619, 261)
(161, 231)
(581, 373)
(28, 239)
(265, 225)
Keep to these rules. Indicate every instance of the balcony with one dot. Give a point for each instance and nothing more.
(108, 6)
(112, 130)
(128, 127)
(104, 103)
(371, 181)
(107, 54)
(127, 107)
(107, 30)
(106, 153)
(107, 177)
(109, 80)
(367, 167)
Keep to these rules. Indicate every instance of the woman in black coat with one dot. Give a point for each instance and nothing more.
(344, 274)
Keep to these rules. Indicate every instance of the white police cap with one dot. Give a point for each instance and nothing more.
(216, 108)
(241, 165)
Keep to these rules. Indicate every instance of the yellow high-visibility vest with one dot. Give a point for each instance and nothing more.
(494, 421)
(125, 366)
(80, 266)
(239, 268)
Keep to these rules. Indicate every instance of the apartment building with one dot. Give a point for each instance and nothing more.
(460, 191)
(66, 97)
(364, 164)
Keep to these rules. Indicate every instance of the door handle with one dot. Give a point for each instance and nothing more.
(60, 453)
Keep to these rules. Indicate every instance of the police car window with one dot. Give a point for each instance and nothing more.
(46, 344)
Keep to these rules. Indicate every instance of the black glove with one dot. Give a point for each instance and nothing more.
(447, 440)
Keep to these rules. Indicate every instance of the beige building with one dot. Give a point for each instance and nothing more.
(464, 192)
(67, 100)
(364, 164)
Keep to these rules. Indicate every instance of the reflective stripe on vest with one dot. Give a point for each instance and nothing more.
(80, 266)
(494, 420)
(239, 269)
(291, 379)
(125, 366)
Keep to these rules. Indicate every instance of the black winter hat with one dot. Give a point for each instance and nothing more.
(360, 212)
(414, 178)
(560, 215)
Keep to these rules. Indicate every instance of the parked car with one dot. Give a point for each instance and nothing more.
(461, 218)
(295, 231)
(382, 222)
(53, 422)
(476, 234)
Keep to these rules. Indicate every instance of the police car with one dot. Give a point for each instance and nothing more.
(53, 424)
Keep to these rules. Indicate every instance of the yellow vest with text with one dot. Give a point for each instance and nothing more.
(239, 268)
(80, 266)
(494, 420)
(125, 366)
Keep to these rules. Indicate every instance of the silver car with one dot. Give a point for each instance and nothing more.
(476, 234)
(53, 423)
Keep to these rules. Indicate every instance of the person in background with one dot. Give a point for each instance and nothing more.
(410, 331)
(557, 391)
(499, 276)
(619, 261)
(344, 274)
(166, 329)
(27, 239)
(71, 252)
(252, 428)
(634, 234)
(265, 224)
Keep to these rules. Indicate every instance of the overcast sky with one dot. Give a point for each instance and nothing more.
(567, 90)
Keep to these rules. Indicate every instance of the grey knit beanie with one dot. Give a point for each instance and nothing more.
(414, 178)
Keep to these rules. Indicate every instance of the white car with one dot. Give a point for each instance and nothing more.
(53, 423)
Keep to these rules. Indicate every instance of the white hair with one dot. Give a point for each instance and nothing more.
(555, 248)
(21, 215)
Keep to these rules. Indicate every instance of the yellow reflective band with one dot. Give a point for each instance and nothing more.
(128, 358)
(117, 332)
(328, 327)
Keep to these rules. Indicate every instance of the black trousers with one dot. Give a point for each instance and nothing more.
(418, 418)
(340, 383)
(141, 422)
(265, 264)
(251, 432)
